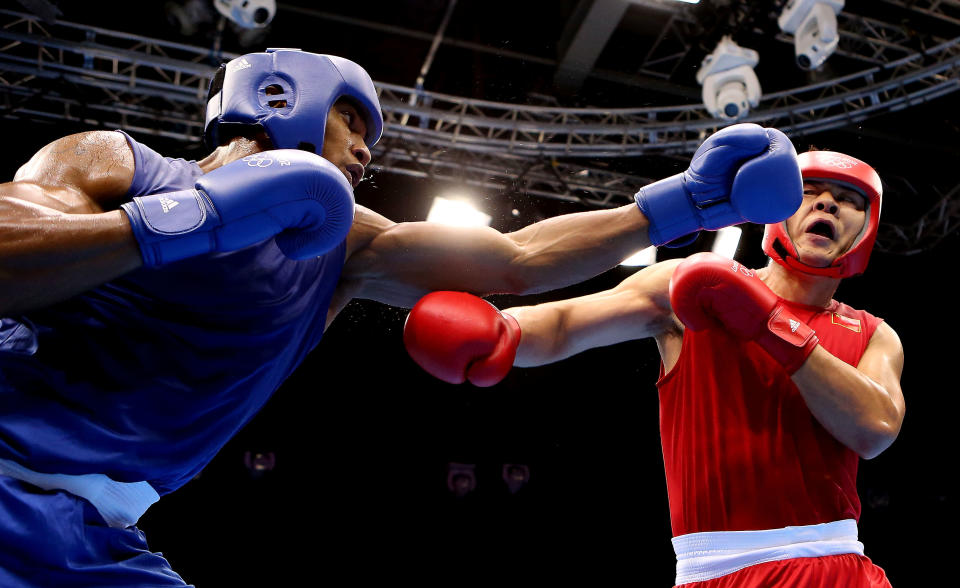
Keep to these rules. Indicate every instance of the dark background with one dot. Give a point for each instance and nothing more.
(363, 440)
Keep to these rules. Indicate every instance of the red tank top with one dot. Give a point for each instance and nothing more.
(740, 448)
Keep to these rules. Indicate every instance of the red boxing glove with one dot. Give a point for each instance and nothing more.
(457, 336)
(709, 291)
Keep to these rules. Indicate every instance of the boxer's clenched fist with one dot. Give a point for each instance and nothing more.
(743, 173)
(300, 198)
(710, 291)
(457, 336)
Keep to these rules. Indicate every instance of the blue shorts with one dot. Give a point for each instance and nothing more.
(53, 538)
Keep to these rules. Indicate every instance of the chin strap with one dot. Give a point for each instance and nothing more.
(830, 271)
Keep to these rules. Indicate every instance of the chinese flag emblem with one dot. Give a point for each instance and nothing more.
(847, 322)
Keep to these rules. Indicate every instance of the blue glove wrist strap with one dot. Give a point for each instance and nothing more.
(669, 210)
(169, 226)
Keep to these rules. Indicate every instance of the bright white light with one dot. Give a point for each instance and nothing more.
(690, 1)
(726, 242)
(457, 213)
(647, 256)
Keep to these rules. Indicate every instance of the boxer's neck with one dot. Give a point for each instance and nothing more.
(236, 148)
(799, 287)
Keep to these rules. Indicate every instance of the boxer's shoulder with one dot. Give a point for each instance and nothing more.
(653, 281)
(648, 298)
(90, 169)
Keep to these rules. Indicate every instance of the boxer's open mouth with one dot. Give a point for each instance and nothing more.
(356, 174)
(823, 229)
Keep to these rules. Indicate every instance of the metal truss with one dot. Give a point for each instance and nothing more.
(944, 10)
(73, 72)
(939, 222)
(481, 126)
(165, 83)
(534, 176)
(870, 40)
(670, 47)
(85, 74)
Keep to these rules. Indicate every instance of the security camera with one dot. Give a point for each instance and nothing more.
(730, 86)
(813, 23)
(249, 14)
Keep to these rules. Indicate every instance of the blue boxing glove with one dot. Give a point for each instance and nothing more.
(299, 198)
(743, 173)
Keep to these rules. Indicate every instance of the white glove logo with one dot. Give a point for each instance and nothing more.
(258, 160)
(166, 204)
(737, 267)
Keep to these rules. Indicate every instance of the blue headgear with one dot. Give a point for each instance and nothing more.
(303, 88)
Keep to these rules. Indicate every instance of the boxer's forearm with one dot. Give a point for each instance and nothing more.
(555, 331)
(635, 309)
(857, 410)
(47, 256)
(544, 337)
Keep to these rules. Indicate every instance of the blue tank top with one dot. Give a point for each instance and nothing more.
(148, 376)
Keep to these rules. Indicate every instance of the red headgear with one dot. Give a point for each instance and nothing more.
(829, 166)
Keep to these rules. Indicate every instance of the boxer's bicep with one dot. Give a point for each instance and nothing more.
(882, 362)
(399, 263)
(636, 309)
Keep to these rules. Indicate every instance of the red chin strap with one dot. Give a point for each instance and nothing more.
(831, 271)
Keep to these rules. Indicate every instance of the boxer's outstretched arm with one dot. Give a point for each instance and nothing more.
(398, 263)
(639, 307)
(861, 407)
(456, 336)
(743, 172)
(57, 239)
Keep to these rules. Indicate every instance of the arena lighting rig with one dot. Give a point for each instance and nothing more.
(813, 23)
(156, 87)
(730, 85)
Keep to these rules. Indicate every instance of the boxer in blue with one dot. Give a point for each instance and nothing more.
(152, 305)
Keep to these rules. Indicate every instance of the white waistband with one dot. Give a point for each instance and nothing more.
(703, 556)
(121, 504)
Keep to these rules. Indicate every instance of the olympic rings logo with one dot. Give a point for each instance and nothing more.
(258, 161)
(840, 162)
(736, 267)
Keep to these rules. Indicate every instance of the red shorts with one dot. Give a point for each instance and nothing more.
(848, 570)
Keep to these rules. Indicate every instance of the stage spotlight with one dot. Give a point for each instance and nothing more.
(726, 241)
(258, 464)
(461, 478)
(813, 24)
(249, 14)
(516, 476)
(457, 213)
(730, 86)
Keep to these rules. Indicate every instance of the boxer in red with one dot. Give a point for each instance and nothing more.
(770, 390)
